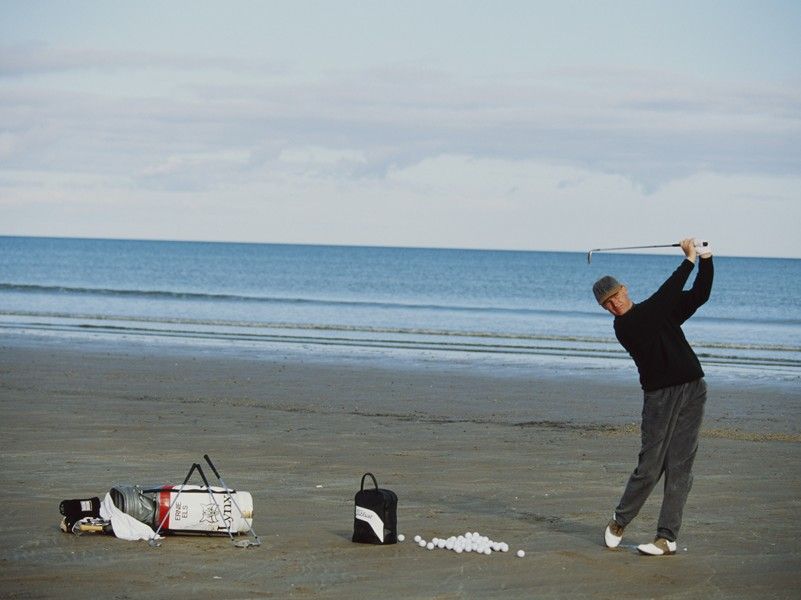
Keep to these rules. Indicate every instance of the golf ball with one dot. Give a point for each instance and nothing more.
(470, 541)
(401, 537)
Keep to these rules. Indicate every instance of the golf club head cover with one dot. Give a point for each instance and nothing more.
(375, 517)
(77, 509)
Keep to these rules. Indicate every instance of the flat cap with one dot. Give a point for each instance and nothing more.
(606, 287)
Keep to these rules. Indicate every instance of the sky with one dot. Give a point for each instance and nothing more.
(525, 125)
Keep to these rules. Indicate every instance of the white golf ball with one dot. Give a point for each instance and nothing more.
(504, 547)
(401, 537)
(487, 551)
(520, 553)
(449, 544)
(441, 543)
(458, 549)
(422, 543)
(430, 545)
(417, 538)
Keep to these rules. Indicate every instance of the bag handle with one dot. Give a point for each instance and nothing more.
(375, 483)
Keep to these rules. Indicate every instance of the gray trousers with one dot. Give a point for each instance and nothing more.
(671, 421)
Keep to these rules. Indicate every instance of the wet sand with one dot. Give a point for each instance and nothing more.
(536, 457)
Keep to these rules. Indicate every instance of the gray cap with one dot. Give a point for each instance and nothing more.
(606, 287)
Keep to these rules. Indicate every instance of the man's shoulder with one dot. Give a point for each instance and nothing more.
(631, 312)
(621, 322)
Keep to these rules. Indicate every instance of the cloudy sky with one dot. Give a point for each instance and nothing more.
(511, 124)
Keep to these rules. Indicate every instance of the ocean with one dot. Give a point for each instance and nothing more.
(521, 305)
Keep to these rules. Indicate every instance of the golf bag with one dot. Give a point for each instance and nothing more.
(194, 511)
(375, 518)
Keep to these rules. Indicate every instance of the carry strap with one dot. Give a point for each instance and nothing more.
(375, 483)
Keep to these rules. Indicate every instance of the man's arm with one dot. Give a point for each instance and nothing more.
(667, 297)
(700, 291)
(669, 293)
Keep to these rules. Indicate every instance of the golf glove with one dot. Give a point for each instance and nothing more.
(701, 249)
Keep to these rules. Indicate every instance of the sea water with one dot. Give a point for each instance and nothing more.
(521, 304)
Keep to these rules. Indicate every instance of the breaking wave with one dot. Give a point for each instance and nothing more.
(340, 303)
(776, 355)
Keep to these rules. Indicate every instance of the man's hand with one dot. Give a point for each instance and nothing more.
(689, 249)
(704, 251)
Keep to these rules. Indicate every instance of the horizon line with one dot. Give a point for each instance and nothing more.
(345, 245)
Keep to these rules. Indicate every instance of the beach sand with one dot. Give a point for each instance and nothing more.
(536, 457)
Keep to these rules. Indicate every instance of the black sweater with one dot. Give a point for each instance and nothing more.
(651, 330)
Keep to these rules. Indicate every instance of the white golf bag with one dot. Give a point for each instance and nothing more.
(197, 510)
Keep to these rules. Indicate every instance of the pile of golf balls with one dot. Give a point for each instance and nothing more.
(467, 542)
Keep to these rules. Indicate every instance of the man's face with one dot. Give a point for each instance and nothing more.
(619, 303)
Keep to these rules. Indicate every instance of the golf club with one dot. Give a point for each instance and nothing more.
(220, 512)
(153, 542)
(245, 543)
(589, 254)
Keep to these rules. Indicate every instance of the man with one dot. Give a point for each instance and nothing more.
(674, 392)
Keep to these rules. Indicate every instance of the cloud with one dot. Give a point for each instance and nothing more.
(443, 201)
(38, 58)
(391, 155)
(193, 172)
(647, 127)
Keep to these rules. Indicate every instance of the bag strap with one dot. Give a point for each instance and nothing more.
(375, 483)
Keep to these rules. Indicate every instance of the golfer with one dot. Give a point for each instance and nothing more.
(674, 393)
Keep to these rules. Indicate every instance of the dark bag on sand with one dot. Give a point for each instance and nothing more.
(375, 518)
(77, 509)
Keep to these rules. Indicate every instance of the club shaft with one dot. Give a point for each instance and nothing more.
(211, 464)
(642, 247)
(635, 247)
(589, 254)
(169, 508)
(228, 491)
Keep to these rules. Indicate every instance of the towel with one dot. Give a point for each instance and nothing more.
(125, 526)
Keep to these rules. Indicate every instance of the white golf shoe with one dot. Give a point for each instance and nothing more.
(659, 547)
(613, 534)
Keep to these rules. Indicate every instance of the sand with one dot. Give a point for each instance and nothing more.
(532, 454)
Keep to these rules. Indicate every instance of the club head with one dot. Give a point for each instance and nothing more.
(589, 257)
(153, 543)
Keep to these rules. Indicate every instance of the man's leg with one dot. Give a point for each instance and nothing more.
(679, 460)
(659, 415)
